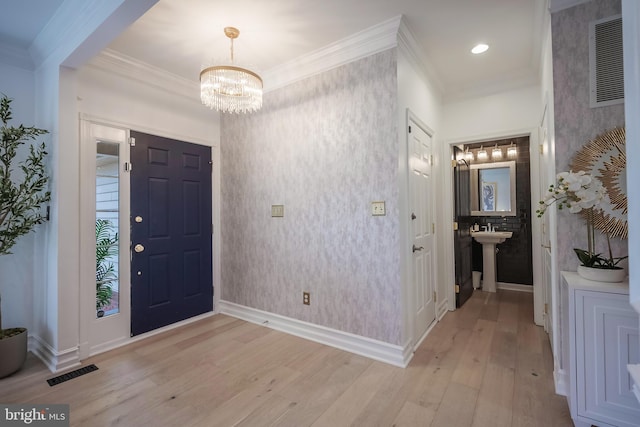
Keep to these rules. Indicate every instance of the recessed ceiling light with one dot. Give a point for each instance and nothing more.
(480, 48)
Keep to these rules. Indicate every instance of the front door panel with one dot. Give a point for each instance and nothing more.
(171, 255)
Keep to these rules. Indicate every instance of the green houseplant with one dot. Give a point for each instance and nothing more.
(22, 197)
(106, 247)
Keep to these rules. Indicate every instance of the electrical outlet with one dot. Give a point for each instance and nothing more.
(306, 298)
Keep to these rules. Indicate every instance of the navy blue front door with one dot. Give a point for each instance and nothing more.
(171, 277)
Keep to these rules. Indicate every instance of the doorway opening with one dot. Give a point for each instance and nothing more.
(514, 257)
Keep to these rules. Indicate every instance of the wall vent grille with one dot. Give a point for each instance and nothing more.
(605, 62)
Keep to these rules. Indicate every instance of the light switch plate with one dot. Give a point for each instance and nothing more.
(277, 211)
(378, 209)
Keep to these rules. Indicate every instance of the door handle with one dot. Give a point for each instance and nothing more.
(415, 248)
(138, 248)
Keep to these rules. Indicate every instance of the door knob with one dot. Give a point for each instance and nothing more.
(415, 248)
(138, 248)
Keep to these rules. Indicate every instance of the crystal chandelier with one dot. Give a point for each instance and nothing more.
(228, 88)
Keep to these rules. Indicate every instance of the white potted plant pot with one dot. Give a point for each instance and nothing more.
(602, 274)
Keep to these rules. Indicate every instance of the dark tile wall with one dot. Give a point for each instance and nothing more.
(514, 258)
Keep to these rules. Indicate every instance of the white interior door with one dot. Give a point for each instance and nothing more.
(423, 241)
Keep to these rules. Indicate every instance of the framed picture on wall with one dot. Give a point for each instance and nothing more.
(489, 196)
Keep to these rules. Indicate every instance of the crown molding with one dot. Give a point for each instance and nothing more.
(80, 28)
(388, 34)
(114, 62)
(370, 41)
(558, 5)
(67, 28)
(409, 46)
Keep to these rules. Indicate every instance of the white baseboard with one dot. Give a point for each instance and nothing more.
(634, 370)
(441, 309)
(422, 338)
(384, 352)
(561, 380)
(54, 360)
(515, 287)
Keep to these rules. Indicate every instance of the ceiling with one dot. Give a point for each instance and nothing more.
(180, 36)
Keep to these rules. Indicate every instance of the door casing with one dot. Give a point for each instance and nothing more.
(448, 258)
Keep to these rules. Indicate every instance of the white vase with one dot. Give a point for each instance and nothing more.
(602, 274)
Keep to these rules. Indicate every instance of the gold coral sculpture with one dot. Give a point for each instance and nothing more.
(605, 158)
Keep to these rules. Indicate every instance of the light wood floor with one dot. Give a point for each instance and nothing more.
(484, 365)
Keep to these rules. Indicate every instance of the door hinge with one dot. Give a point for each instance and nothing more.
(546, 308)
(455, 225)
(128, 167)
(454, 163)
(457, 289)
(541, 148)
(435, 296)
(211, 228)
(132, 142)
(409, 129)
(431, 159)
(433, 228)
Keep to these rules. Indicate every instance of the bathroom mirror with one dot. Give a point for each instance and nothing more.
(493, 189)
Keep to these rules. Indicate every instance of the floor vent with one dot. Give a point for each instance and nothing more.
(71, 375)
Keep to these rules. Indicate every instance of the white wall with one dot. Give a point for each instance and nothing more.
(125, 101)
(510, 113)
(493, 115)
(631, 40)
(416, 93)
(17, 270)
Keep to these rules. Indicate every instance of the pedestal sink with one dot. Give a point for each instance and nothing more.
(489, 240)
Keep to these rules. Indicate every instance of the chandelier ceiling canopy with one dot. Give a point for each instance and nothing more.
(229, 88)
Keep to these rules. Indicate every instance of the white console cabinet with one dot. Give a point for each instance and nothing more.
(599, 339)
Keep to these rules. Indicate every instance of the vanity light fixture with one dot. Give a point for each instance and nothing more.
(479, 48)
(468, 155)
(496, 153)
(482, 154)
(512, 151)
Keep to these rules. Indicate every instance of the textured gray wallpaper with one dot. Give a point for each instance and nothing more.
(575, 122)
(325, 148)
